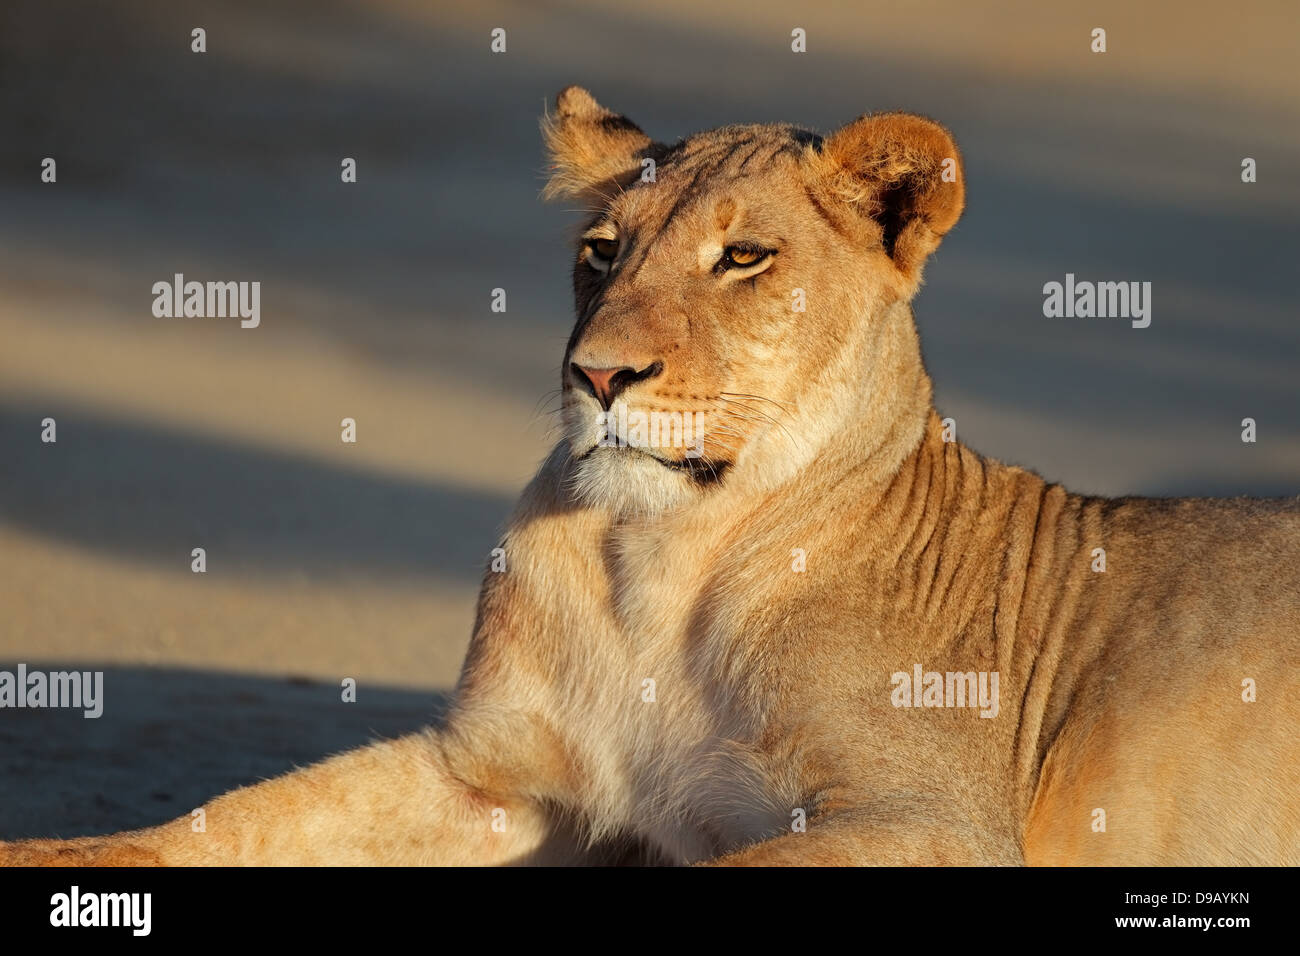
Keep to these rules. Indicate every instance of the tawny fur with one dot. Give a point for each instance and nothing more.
(1119, 691)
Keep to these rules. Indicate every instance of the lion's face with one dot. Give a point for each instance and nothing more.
(716, 294)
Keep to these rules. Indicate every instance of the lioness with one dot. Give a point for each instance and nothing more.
(815, 632)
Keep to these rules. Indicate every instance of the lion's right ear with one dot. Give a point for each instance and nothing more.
(591, 149)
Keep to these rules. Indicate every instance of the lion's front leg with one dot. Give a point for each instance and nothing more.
(399, 802)
(497, 785)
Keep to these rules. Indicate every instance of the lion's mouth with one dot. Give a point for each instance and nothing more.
(700, 470)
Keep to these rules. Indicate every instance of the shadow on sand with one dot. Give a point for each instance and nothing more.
(169, 740)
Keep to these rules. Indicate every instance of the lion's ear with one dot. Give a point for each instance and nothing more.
(905, 173)
(591, 149)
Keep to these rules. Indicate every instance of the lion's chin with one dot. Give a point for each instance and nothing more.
(629, 483)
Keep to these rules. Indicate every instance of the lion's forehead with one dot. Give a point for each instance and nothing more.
(753, 180)
(723, 143)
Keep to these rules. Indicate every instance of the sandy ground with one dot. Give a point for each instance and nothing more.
(328, 560)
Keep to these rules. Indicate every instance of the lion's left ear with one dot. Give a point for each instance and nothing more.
(592, 149)
(905, 173)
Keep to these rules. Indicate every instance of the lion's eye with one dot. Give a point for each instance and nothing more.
(742, 257)
(599, 252)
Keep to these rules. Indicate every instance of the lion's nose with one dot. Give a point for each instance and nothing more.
(607, 383)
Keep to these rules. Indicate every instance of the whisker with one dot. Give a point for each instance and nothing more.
(761, 398)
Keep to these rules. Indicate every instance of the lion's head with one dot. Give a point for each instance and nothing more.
(742, 297)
